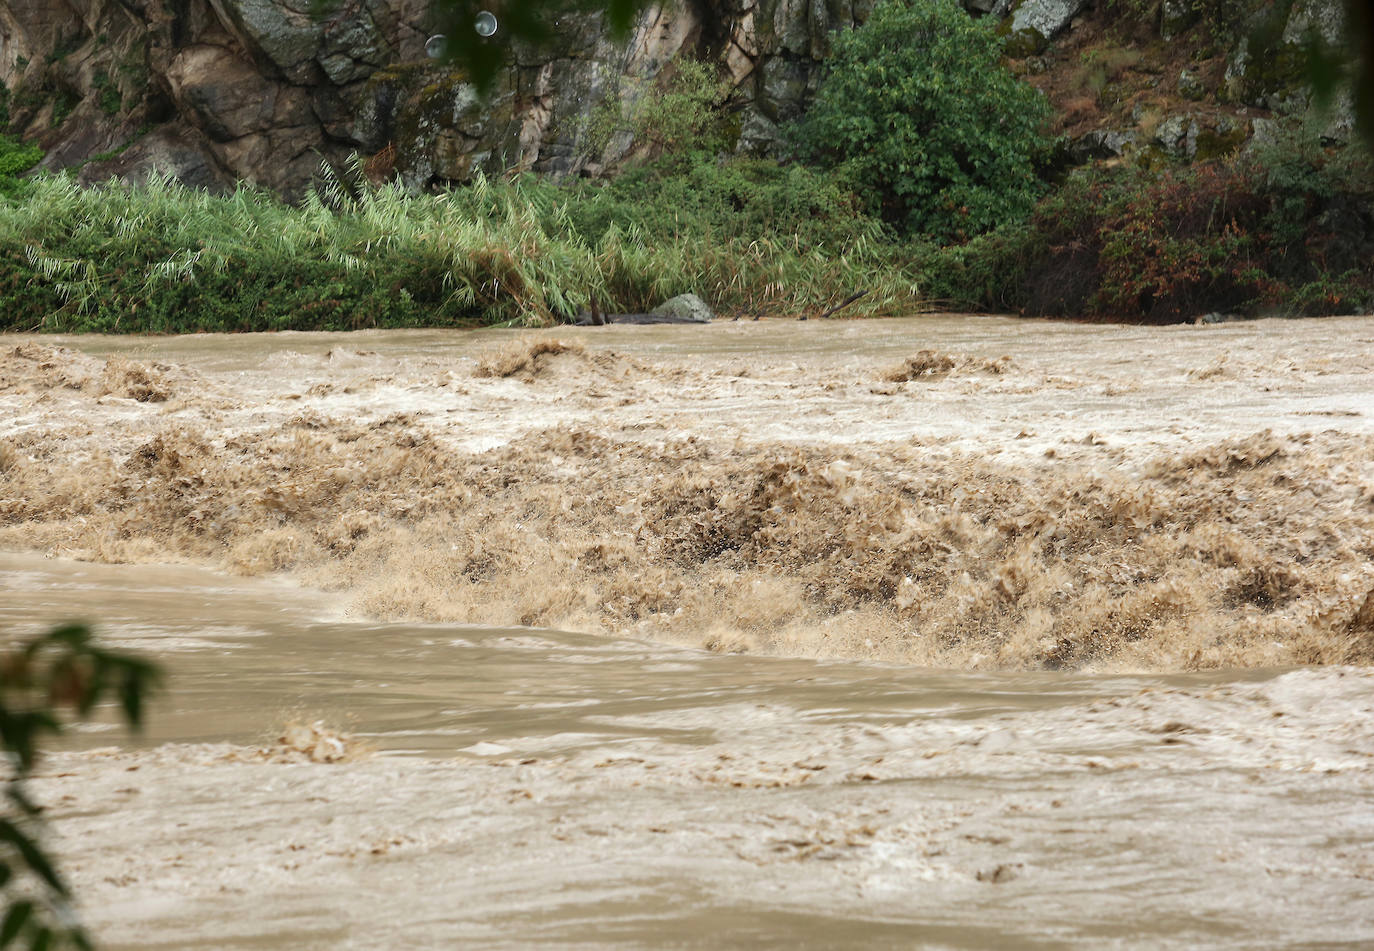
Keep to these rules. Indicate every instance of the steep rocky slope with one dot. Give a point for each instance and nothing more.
(217, 90)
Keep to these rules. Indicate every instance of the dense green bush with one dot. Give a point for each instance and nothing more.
(742, 199)
(16, 158)
(920, 116)
(1287, 228)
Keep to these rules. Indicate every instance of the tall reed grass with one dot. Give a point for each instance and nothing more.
(166, 258)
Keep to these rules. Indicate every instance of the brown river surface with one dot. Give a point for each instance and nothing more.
(944, 632)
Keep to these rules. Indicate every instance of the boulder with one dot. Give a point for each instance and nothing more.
(172, 149)
(1177, 136)
(1190, 86)
(1035, 22)
(1100, 144)
(687, 307)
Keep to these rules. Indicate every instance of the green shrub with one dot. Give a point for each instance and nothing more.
(679, 118)
(1287, 228)
(743, 199)
(110, 100)
(919, 115)
(16, 158)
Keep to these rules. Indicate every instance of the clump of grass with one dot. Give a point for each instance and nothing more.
(162, 257)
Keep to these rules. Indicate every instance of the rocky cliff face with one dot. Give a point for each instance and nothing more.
(213, 91)
(209, 90)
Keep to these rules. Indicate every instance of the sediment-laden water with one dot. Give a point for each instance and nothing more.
(975, 493)
(1018, 635)
(572, 790)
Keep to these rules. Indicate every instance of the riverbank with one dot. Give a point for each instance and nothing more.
(973, 493)
(165, 258)
(1280, 230)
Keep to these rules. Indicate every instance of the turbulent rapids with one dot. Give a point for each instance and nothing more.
(974, 591)
(1102, 499)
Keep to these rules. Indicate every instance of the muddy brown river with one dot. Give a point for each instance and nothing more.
(941, 633)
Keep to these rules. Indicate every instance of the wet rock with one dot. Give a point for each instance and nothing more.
(1177, 16)
(1177, 136)
(279, 36)
(230, 99)
(1035, 22)
(173, 149)
(687, 307)
(759, 135)
(1190, 86)
(783, 86)
(1100, 144)
(999, 874)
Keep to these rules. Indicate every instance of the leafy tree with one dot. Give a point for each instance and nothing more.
(62, 672)
(918, 113)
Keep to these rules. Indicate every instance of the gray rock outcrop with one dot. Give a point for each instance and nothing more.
(688, 307)
(1276, 80)
(260, 90)
(1177, 136)
(1101, 144)
(1035, 22)
(218, 91)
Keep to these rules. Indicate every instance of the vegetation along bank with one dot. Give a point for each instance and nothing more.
(1113, 160)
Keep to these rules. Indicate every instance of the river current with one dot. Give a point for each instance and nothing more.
(934, 633)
